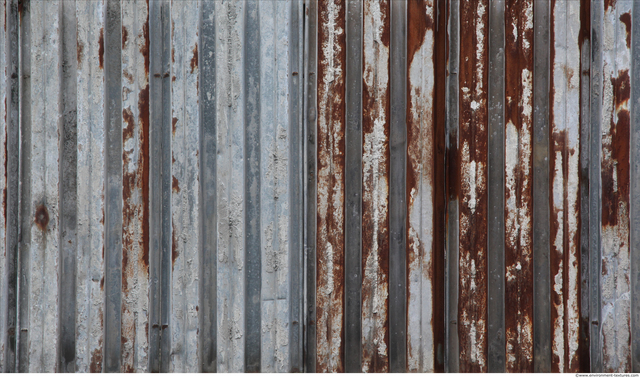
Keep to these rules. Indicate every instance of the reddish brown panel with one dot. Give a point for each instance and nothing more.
(472, 309)
(375, 187)
(518, 185)
(330, 186)
(420, 186)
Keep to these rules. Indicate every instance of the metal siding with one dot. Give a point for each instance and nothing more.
(294, 185)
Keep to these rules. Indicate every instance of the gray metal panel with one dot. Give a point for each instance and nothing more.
(397, 193)
(496, 233)
(542, 283)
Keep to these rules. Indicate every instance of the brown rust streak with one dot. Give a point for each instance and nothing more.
(583, 353)
(41, 218)
(626, 20)
(125, 36)
(472, 314)
(375, 179)
(519, 289)
(80, 53)
(331, 180)
(101, 48)
(194, 59)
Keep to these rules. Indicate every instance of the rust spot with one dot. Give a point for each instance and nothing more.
(174, 246)
(173, 78)
(96, 361)
(102, 279)
(173, 125)
(626, 20)
(80, 53)
(127, 133)
(197, 308)
(143, 109)
(175, 185)
(194, 60)
(125, 36)
(42, 217)
(608, 4)
(101, 48)
(420, 23)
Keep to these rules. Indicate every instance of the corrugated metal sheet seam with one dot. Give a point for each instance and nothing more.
(320, 185)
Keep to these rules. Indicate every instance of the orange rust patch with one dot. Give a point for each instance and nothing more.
(42, 217)
(127, 116)
(626, 20)
(173, 124)
(194, 60)
(101, 48)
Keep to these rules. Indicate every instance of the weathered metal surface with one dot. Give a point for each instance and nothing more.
(564, 181)
(433, 186)
(615, 126)
(518, 186)
(472, 166)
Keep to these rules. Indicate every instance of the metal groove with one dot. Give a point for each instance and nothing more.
(353, 188)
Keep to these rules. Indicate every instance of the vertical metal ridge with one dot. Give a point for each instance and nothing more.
(472, 181)
(155, 183)
(12, 197)
(296, 159)
(452, 350)
(208, 173)
(496, 359)
(252, 188)
(230, 186)
(310, 178)
(353, 188)
(518, 186)
(25, 189)
(397, 185)
(634, 184)
(68, 188)
(541, 242)
(165, 127)
(595, 186)
(113, 184)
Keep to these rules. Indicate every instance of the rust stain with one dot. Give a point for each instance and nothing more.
(330, 184)
(173, 125)
(96, 361)
(174, 245)
(42, 217)
(375, 189)
(615, 172)
(194, 59)
(101, 48)
(143, 109)
(626, 20)
(472, 312)
(80, 53)
(127, 133)
(125, 36)
(518, 186)
(144, 48)
(175, 185)
(609, 4)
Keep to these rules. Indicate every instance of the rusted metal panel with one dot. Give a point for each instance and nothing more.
(634, 185)
(564, 181)
(420, 185)
(615, 126)
(375, 187)
(135, 188)
(330, 187)
(472, 312)
(518, 186)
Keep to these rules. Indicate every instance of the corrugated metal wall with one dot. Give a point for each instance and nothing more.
(320, 185)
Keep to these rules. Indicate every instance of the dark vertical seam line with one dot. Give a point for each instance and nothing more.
(635, 188)
(113, 183)
(353, 188)
(397, 185)
(253, 274)
(13, 178)
(67, 188)
(496, 329)
(542, 325)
